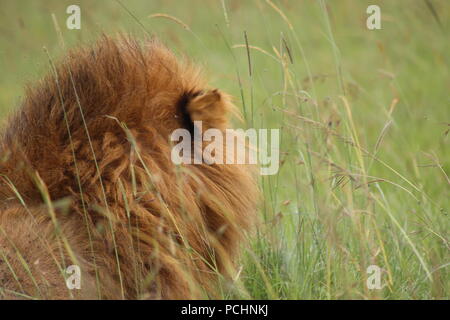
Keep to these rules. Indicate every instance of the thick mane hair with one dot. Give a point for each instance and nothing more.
(86, 179)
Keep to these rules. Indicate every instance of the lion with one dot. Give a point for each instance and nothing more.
(86, 180)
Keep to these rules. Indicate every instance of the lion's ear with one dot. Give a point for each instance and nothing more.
(212, 108)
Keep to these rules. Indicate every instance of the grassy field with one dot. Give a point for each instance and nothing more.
(364, 118)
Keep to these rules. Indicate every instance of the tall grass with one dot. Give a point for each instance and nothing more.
(363, 114)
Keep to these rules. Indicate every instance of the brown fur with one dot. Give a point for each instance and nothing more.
(86, 178)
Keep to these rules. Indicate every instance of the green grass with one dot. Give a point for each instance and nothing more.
(364, 115)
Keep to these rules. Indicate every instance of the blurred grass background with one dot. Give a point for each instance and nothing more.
(364, 114)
